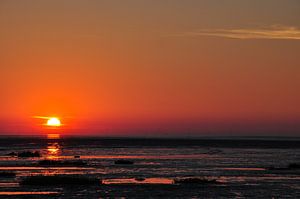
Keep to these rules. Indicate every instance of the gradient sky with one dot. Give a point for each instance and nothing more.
(143, 67)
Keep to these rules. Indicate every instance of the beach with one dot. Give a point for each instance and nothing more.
(235, 168)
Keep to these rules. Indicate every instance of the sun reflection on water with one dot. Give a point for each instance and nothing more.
(53, 136)
(53, 150)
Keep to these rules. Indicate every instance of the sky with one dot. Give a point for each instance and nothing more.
(151, 68)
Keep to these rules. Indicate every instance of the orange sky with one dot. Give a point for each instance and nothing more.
(142, 67)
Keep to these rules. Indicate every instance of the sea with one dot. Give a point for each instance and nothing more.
(232, 167)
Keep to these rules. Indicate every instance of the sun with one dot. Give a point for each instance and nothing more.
(53, 121)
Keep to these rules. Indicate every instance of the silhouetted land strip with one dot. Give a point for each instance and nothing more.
(25, 154)
(124, 162)
(7, 174)
(13, 154)
(29, 154)
(61, 163)
(140, 179)
(231, 142)
(292, 166)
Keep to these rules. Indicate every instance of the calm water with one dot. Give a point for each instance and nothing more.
(238, 165)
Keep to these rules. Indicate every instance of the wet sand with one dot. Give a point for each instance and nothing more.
(240, 172)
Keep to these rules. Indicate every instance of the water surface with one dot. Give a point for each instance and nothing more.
(240, 167)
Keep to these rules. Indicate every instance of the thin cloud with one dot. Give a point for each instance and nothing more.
(274, 32)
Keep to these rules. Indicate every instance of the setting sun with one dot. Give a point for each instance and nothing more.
(53, 121)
